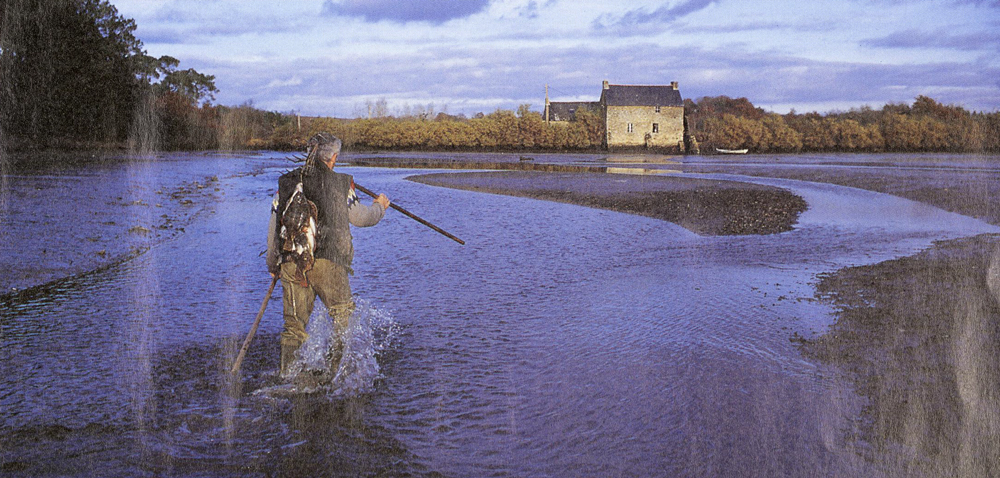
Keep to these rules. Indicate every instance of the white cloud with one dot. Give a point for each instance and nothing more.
(776, 52)
(293, 81)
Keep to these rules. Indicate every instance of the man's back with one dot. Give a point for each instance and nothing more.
(329, 190)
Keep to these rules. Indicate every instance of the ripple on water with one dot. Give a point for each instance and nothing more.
(560, 341)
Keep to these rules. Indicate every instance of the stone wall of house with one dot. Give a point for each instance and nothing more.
(669, 121)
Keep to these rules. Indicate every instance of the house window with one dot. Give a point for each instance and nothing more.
(630, 127)
(656, 126)
(657, 110)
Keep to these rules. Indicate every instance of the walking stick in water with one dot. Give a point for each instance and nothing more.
(411, 215)
(253, 330)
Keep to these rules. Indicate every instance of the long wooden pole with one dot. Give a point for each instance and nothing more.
(411, 215)
(253, 330)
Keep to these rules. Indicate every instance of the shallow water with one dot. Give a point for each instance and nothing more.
(561, 341)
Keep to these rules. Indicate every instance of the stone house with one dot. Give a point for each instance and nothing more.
(643, 116)
(635, 116)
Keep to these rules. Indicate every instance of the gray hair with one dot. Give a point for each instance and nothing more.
(321, 148)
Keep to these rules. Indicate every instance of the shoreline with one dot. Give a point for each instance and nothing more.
(702, 206)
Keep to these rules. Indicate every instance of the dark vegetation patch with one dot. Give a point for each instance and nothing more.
(703, 206)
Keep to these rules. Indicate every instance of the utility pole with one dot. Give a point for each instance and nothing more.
(546, 104)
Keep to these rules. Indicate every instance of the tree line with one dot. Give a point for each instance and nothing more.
(73, 74)
(715, 122)
(924, 126)
(501, 130)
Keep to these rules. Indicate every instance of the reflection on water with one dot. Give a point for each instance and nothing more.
(643, 159)
(642, 171)
(560, 341)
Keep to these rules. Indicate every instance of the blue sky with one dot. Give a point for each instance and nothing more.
(330, 57)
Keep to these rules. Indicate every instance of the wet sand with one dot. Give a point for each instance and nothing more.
(701, 206)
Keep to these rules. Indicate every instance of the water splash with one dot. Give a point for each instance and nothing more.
(370, 332)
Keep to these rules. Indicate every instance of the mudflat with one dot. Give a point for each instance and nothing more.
(919, 337)
(702, 206)
(971, 191)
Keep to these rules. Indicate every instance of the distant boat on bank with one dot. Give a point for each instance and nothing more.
(731, 151)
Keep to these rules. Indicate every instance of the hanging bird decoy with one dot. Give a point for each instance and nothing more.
(298, 233)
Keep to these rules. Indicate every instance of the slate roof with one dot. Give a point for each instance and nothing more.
(636, 95)
(564, 110)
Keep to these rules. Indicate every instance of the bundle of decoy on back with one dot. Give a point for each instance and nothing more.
(298, 233)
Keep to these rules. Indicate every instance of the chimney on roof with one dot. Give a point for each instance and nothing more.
(673, 84)
(607, 86)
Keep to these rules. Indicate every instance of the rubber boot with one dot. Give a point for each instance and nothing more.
(341, 319)
(335, 354)
(287, 357)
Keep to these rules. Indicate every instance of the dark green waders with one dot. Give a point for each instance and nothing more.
(330, 282)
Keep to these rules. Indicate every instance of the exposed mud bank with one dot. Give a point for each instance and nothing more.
(702, 206)
(919, 337)
(460, 163)
(969, 191)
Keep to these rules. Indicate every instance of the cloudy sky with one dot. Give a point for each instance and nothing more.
(330, 57)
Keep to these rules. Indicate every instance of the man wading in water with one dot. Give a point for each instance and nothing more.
(315, 259)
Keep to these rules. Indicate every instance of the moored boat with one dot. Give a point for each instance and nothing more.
(731, 151)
